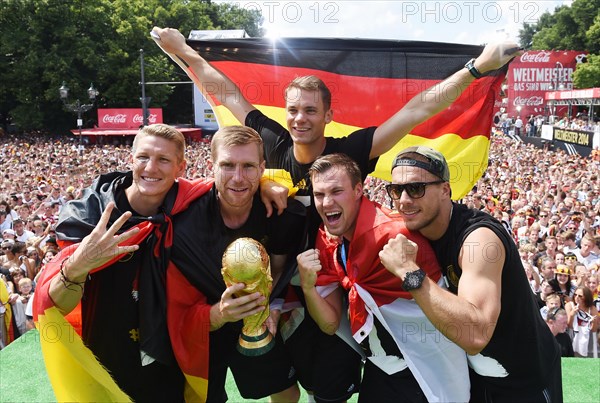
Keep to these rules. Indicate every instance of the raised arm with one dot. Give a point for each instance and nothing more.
(210, 81)
(437, 98)
(468, 318)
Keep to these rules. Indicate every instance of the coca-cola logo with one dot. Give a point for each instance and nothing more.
(539, 57)
(531, 101)
(152, 118)
(114, 119)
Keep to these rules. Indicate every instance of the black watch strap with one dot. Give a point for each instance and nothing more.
(413, 280)
(470, 65)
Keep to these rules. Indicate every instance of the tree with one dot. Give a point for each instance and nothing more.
(526, 35)
(563, 34)
(43, 42)
(566, 28)
(570, 28)
(587, 74)
(586, 14)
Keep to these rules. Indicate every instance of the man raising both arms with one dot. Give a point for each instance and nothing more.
(308, 106)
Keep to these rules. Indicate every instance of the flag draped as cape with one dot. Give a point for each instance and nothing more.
(374, 228)
(195, 282)
(438, 365)
(74, 372)
(370, 80)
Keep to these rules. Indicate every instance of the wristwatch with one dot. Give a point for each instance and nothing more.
(470, 65)
(413, 280)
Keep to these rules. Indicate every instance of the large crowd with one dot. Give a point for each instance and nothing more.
(548, 200)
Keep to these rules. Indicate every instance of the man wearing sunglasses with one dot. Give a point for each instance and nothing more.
(488, 305)
(407, 358)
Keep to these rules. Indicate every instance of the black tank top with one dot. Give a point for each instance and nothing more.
(522, 342)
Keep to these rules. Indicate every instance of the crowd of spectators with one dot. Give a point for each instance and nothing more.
(531, 126)
(548, 200)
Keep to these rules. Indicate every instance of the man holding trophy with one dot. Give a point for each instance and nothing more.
(212, 288)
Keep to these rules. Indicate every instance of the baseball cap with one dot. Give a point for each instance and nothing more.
(7, 243)
(437, 164)
(9, 231)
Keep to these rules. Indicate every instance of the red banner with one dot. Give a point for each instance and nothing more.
(535, 73)
(127, 118)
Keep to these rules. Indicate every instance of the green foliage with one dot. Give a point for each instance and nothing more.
(587, 74)
(526, 35)
(570, 28)
(563, 34)
(46, 42)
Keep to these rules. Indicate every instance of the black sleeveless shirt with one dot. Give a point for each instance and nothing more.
(522, 342)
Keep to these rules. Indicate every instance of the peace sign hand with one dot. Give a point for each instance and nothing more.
(100, 246)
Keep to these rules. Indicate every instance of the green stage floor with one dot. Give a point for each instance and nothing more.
(23, 376)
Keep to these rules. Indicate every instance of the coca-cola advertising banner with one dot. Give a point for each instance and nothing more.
(533, 74)
(127, 118)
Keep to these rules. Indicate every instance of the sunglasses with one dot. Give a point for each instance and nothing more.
(414, 190)
(571, 258)
(543, 215)
(553, 313)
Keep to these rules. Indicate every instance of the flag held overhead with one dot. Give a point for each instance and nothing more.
(370, 80)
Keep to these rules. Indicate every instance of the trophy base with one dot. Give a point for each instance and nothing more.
(253, 346)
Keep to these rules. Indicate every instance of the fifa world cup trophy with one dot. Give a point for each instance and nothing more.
(246, 261)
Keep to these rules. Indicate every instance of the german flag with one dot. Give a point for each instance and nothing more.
(75, 373)
(370, 80)
(7, 331)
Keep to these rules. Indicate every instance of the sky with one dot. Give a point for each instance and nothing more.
(468, 22)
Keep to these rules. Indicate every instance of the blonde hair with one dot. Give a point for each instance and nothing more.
(236, 136)
(163, 131)
(312, 83)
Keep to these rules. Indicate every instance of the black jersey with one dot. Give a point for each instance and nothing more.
(111, 327)
(279, 154)
(279, 149)
(522, 348)
(200, 237)
(566, 344)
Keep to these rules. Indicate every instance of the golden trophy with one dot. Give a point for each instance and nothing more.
(246, 261)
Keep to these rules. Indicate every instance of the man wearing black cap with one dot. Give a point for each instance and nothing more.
(490, 313)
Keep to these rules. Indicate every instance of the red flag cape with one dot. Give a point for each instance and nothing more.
(370, 80)
(374, 228)
(74, 372)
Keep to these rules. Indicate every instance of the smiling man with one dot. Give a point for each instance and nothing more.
(407, 358)
(121, 285)
(295, 147)
(490, 311)
(308, 111)
(205, 316)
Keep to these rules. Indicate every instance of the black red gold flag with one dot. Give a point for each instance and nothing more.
(370, 80)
